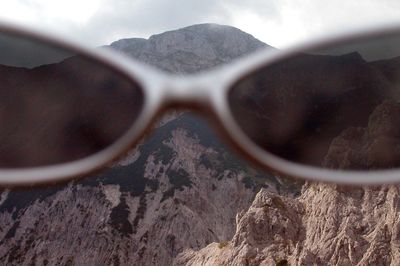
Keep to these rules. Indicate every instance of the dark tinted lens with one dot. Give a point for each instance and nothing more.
(57, 106)
(334, 107)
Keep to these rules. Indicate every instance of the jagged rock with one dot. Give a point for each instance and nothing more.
(266, 234)
(328, 224)
(351, 226)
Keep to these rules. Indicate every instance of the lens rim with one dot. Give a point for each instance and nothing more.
(239, 139)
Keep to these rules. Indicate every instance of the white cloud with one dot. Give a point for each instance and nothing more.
(277, 22)
(297, 20)
(49, 11)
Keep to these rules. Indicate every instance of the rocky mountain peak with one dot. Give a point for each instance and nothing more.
(192, 48)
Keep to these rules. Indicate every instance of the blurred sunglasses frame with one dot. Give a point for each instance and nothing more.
(205, 92)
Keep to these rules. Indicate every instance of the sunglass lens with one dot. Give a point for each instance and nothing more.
(335, 107)
(57, 106)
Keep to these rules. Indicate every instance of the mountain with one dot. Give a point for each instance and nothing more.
(179, 188)
(191, 49)
(181, 196)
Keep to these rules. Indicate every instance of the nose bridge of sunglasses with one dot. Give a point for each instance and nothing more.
(193, 92)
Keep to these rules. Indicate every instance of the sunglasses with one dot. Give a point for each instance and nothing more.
(328, 110)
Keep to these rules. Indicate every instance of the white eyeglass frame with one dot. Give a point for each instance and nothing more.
(206, 92)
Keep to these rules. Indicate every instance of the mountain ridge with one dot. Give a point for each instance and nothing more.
(191, 49)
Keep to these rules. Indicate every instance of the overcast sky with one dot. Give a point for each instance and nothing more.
(277, 22)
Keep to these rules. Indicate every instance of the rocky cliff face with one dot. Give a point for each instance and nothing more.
(327, 224)
(167, 197)
(180, 188)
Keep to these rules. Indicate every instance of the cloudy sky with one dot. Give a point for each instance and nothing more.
(277, 22)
